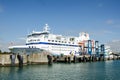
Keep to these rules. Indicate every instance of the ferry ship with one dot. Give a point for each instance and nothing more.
(55, 44)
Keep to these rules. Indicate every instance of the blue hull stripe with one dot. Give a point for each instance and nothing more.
(53, 44)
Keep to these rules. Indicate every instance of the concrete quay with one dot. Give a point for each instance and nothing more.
(83, 58)
(46, 58)
(35, 58)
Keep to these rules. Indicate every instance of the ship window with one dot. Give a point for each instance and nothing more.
(52, 40)
(49, 40)
(59, 41)
(62, 41)
(38, 40)
(46, 36)
(29, 36)
(72, 39)
(58, 37)
(56, 41)
(35, 35)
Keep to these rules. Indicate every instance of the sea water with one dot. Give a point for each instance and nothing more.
(104, 70)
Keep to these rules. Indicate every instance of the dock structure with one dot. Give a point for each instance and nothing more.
(44, 58)
(5, 60)
(28, 59)
(83, 58)
(89, 51)
(45, 47)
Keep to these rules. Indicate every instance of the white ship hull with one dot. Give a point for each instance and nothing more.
(58, 48)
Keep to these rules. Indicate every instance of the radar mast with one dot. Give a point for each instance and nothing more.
(46, 28)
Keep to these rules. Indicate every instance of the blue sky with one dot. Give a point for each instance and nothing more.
(100, 18)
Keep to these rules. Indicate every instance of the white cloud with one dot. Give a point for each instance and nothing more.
(107, 32)
(22, 38)
(115, 45)
(1, 8)
(115, 40)
(113, 23)
(102, 32)
(4, 45)
(110, 21)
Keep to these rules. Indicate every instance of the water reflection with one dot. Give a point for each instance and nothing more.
(112, 70)
(12, 73)
(79, 71)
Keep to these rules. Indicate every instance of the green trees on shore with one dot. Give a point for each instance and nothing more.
(4, 52)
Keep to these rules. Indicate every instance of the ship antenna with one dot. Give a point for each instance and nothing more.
(46, 28)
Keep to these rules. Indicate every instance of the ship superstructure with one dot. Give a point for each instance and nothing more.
(55, 44)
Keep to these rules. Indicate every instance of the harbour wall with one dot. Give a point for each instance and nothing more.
(83, 58)
(45, 58)
(35, 58)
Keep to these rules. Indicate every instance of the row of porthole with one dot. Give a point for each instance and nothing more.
(61, 50)
(33, 40)
(32, 47)
(60, 41)
(52, 41)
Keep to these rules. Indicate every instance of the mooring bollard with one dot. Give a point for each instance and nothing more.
(69, 60)
(79, 59)
(49, 59)
(74, 59)
(65, 59)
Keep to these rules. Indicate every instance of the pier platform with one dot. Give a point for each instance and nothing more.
(35, 58)
(46, 58)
